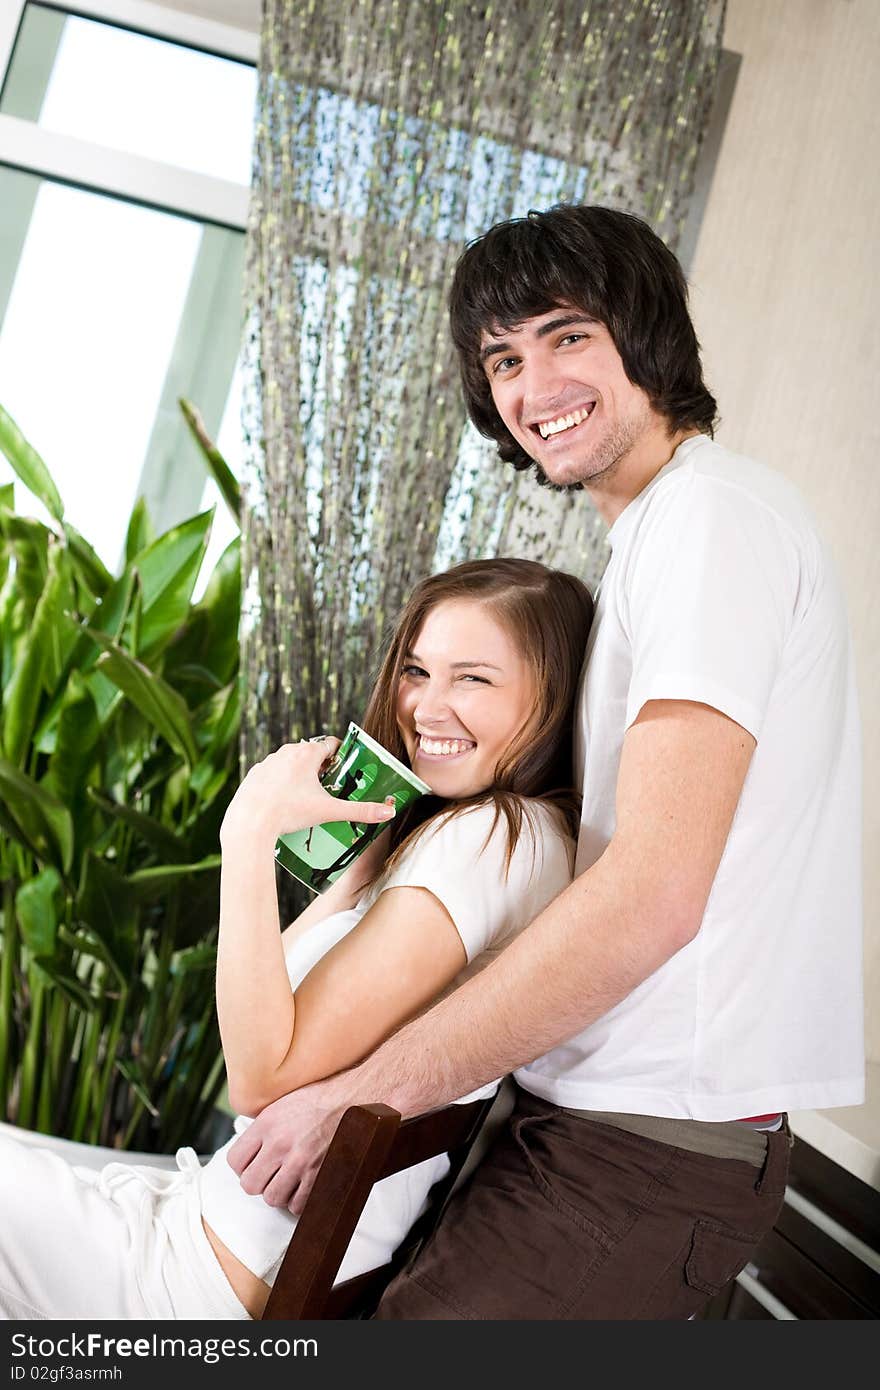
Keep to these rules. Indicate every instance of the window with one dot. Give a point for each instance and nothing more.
(121, 252)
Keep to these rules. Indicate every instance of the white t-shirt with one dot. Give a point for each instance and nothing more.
(489, 908)
(720, 591)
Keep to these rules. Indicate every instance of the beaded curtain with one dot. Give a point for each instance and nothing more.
(388, 135)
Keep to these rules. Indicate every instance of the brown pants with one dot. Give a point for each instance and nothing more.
(569, 1219)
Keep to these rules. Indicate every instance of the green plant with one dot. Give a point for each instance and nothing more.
(118, 756)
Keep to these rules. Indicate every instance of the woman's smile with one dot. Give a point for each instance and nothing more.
(445, 749)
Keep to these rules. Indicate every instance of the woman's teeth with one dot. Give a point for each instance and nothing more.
(444, 748)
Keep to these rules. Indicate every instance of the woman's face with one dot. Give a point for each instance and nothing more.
(464, 694)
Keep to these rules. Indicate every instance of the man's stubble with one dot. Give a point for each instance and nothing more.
(602, 462)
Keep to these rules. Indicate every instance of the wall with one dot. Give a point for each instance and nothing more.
(785, 298)
(241, 14)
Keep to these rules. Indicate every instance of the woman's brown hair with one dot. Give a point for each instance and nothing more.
(547, 613)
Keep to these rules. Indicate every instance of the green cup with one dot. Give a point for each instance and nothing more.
(360, 770)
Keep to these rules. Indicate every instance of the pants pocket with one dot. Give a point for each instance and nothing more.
(716, 1255)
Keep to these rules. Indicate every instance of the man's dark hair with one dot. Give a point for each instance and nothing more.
(608, 264)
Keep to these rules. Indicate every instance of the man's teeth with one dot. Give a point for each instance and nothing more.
(444, 747)
(564, 422)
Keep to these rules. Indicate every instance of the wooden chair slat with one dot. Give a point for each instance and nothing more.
(371, 1142)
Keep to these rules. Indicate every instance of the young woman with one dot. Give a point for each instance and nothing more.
(476, 694)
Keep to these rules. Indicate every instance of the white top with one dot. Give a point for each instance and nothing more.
(720, 591)
(489, 909)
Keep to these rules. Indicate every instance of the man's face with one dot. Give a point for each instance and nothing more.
(558, 384)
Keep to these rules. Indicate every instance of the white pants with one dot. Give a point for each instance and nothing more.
(119, 1242)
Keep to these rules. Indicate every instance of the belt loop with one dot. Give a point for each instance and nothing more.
(774, 1169)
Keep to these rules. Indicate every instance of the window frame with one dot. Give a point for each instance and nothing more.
(173, 492)
(66, 159)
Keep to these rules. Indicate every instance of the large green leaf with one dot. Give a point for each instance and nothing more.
(77, 737)
(29, 542)
(140, 532)
(216, 724)
(169, 569)
(130, 1069)
(27, 547)
(106, 904)
(83, 648)
(210, 637)
(208, 783)
(40, 661)
(29, 466)
(199, 914)
(45, 821)
(156, 700)
(15, 831)
(195, 959)
(217, 466)
(107, 618)
(37, 907)
(153, 833)
(134, 625)
(87, 563)
(107, 621)
(107, 696)
(7, 503)
(70, 987)
(149, 884)
(89, 946)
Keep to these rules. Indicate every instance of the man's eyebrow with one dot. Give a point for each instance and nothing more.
(456, 665)
(563, 321)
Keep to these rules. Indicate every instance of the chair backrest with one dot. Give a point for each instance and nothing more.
(371, 1142)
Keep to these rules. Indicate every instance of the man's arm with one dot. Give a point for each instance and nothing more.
(682, 769)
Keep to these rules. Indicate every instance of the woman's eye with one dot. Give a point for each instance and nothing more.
(413, 671)
(481, 680)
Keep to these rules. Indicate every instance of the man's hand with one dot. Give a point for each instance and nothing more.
(279, 1155)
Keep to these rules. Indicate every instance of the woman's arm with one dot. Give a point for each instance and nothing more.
(394, 962)
(348, 889)
(254, 999)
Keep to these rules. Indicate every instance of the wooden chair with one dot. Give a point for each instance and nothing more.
(371, 1142)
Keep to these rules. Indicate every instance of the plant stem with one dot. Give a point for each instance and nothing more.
(33, 1051)
(155, 1028)
(7, 981)
(102, 1099)
(48, 1118)
(82, 1100)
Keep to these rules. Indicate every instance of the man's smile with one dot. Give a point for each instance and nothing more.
(560, 424)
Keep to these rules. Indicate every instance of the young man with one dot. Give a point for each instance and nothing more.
(702, 974)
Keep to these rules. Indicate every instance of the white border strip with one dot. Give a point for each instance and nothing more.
(767, 1300)
(119, 174)
(10, 18)
(832, 1228)
(165, 23)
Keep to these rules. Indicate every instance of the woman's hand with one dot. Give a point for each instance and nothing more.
(283, 793)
